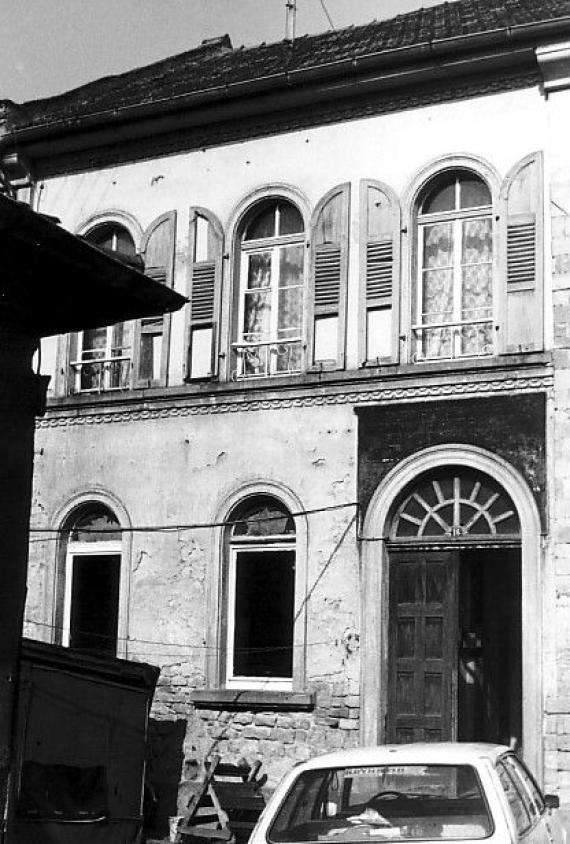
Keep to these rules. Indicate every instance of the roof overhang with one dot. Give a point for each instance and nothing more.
(52, 281)
(427, 62)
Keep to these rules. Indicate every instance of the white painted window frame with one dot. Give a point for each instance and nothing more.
(84, 549)
(456, 217)
(261, 546)
(274, 245)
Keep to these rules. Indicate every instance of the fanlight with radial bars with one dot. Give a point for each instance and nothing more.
(455, 504)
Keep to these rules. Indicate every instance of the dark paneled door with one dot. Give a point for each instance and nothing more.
(422, 649)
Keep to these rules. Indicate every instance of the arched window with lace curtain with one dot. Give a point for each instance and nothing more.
(452, 310)
(269, 328)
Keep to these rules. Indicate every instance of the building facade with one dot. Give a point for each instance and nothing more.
(330, 496)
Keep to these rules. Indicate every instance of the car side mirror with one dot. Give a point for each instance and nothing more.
(552, 801)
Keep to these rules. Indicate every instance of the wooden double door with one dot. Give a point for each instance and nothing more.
(454, 646)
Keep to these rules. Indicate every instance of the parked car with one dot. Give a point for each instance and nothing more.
(427, 792)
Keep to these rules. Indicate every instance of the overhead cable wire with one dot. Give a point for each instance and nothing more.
(129, 640)
(55, 533)
(326, 11)
(189, 646)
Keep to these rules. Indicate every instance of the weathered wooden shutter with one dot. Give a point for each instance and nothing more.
(329, 273)
(152, 335)
(522, 249)
(205, 270)
(379, 268)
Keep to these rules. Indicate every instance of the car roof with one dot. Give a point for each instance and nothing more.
(419, 753)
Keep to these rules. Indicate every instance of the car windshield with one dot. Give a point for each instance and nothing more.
(383, 803)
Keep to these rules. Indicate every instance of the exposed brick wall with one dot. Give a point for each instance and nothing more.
(512, 427)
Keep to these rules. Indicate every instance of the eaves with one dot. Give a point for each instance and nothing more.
(401, 69)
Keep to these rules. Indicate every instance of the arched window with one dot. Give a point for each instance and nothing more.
(271, 277)
(259, 595)
(452, 310)
(89, 606)
(134, 353)
(456, 503)
(103, 357)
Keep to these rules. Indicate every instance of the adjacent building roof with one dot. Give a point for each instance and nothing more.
(52, 281)
(215, 65)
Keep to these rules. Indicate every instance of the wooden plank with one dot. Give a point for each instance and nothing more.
(251, 803)
(225, 769)
(206, 832)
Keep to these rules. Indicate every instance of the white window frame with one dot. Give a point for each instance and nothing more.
(84, 549)
(237, 546)
(274, 245)
(456, 217)
(106, 362)
(114, 220)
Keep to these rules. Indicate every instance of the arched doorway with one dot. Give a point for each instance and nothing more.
(454, 606)
(451, 563)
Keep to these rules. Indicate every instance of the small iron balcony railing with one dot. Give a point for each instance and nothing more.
(272, 357)
(98, 375)
(451, 340)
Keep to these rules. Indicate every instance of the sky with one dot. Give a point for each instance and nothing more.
(51, 46)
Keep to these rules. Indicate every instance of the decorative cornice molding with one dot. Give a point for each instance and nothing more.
(377, 395)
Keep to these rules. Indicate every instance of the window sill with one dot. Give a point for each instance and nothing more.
(253, 700)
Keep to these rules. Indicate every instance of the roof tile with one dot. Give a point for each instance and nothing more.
(215, 64)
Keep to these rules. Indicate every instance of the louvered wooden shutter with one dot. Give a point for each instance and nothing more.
(522, 236)
(327, 277)
(330, 235)
(379, 271)
(152, 335)
(379, 259)
(206, 246)
(521, 253)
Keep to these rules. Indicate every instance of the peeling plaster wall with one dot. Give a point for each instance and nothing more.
(177, 472)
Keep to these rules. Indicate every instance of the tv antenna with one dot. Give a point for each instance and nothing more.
(290, 19)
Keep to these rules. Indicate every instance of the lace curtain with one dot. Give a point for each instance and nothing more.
(444, 302)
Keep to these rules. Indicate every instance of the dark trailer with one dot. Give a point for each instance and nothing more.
(80, 747)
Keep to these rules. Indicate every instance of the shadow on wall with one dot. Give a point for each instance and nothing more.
(164, 767)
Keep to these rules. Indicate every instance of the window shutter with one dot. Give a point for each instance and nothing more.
(522, 249)
(152, 334)
(379, 268)
(329, 273)
(205, 269)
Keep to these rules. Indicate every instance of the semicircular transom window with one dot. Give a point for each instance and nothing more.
(95, 523)
(263, 517)
(456, 504)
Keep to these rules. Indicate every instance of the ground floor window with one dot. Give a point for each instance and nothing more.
(260, 595)
(90, 611)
